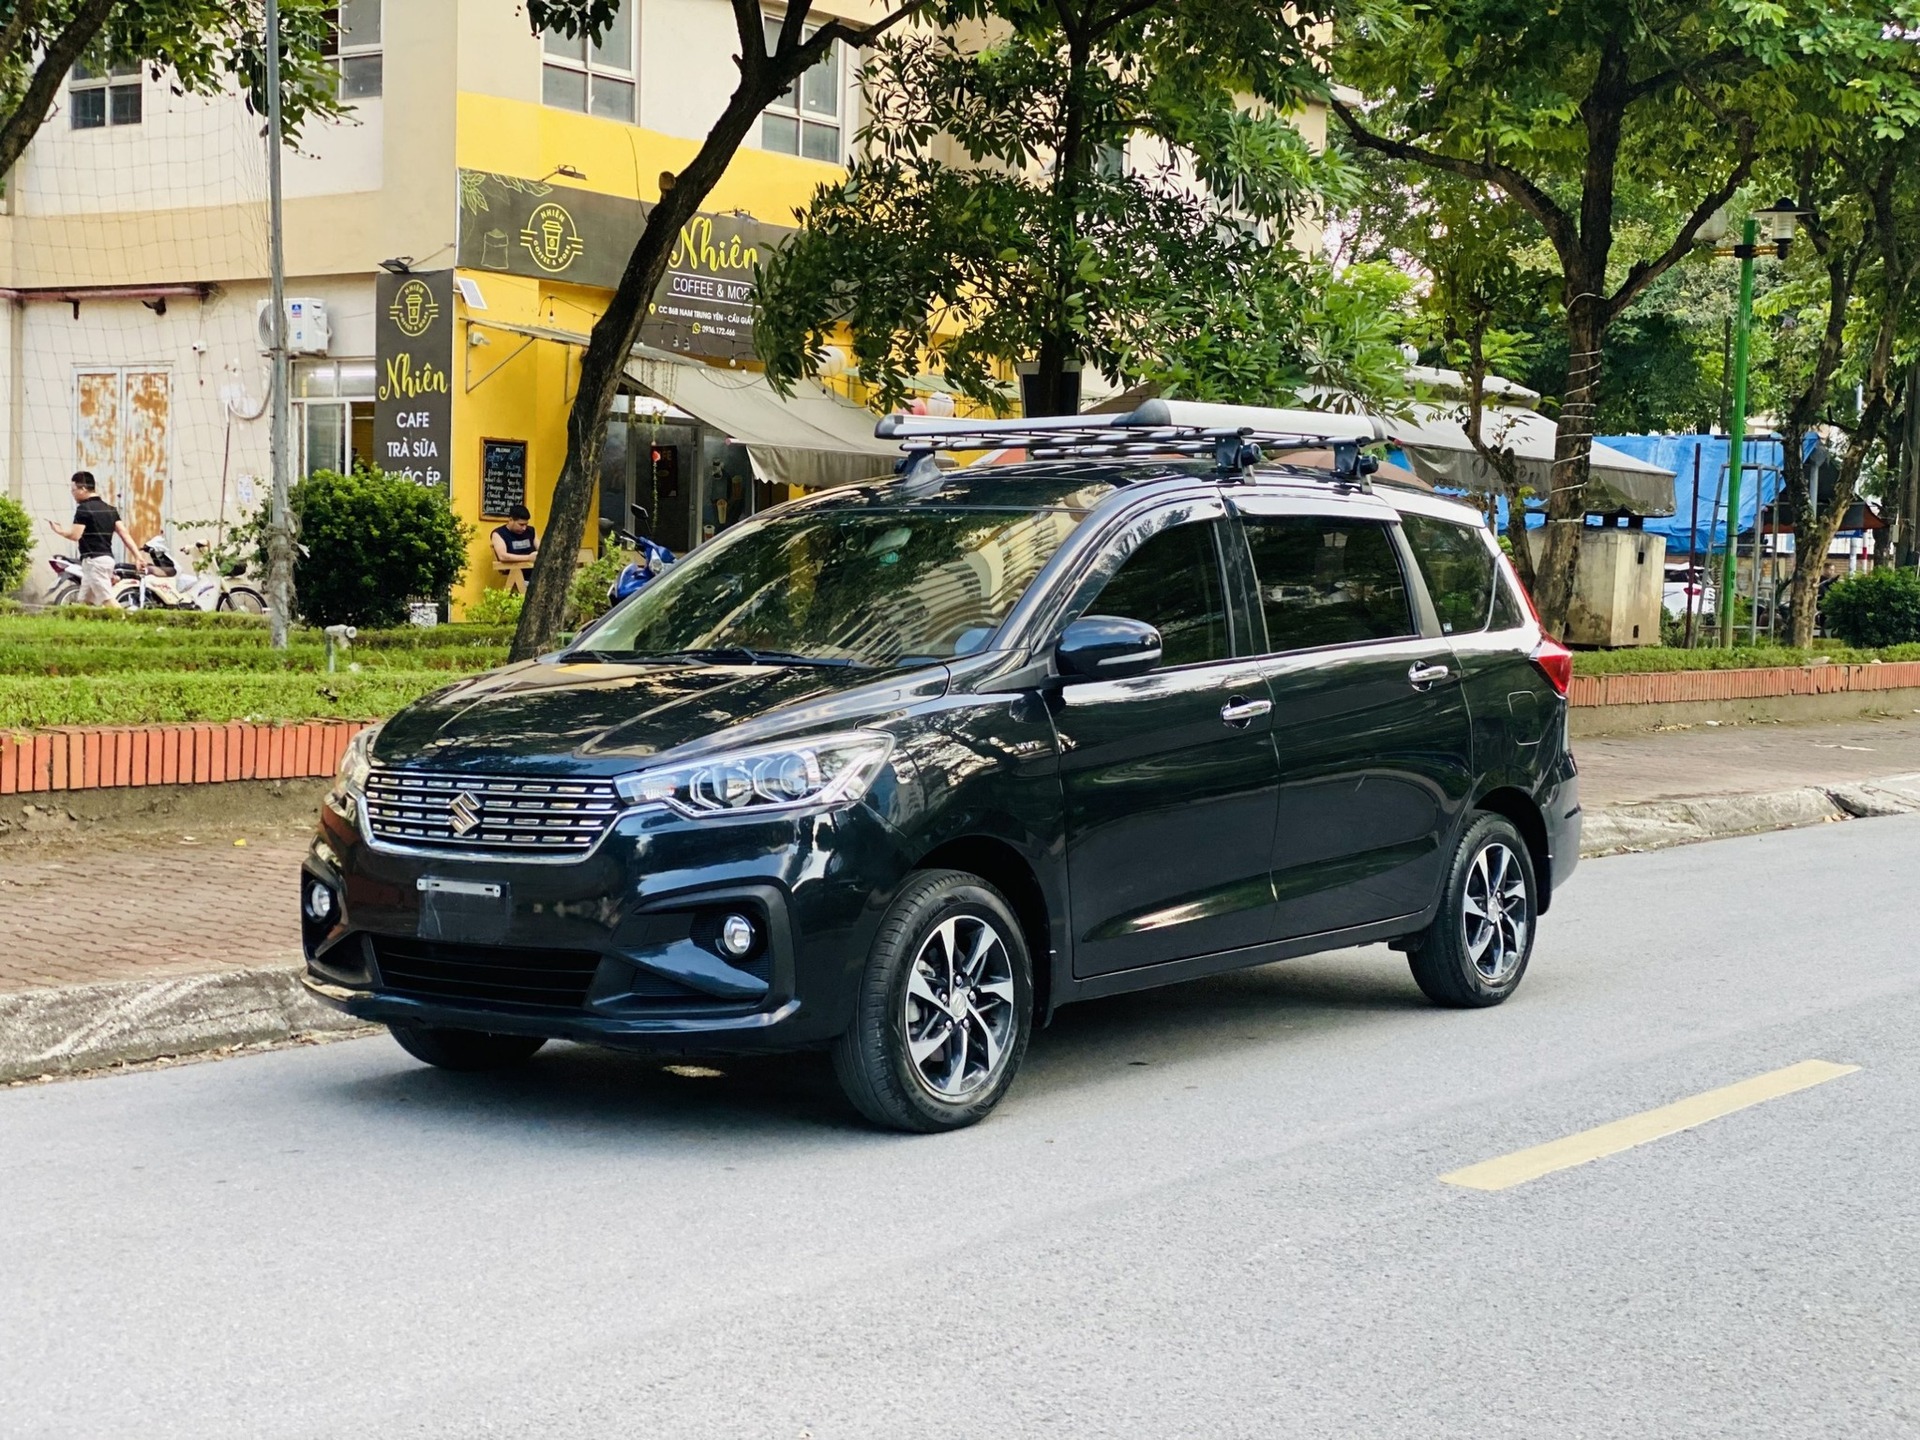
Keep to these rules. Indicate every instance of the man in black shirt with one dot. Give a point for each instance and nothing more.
(515, 547)
(95, 523)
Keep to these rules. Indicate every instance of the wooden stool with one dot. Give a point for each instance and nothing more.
(516, 577)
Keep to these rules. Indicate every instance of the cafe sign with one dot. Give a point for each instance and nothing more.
(413, 364)
(703, 307)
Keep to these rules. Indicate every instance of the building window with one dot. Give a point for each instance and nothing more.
(333, 414)
(98, 98)
(593, 78)
(353, 46)
(806, 120)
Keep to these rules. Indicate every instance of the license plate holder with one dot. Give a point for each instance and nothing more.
(470, 911)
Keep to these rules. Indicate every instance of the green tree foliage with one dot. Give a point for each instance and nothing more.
(992, 224)
(1878, 607)
(1570, 111)
(198, 46)
(369, 543)
(16, 543)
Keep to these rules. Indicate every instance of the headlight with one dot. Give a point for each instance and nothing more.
(826, 771)
(356, 763)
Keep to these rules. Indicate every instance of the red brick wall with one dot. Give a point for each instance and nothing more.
(101, 757)
(1682, 685)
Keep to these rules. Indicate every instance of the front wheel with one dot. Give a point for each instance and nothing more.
(1477, 948)
(243, 598)
(465, 1049)
(944, 1009)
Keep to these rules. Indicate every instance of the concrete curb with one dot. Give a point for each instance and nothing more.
(1657, 824)
(85, 1027)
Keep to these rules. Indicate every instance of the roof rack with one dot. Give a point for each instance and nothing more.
(1234, 437)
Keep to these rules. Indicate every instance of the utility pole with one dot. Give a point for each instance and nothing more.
(279, 528)
(1736, 433)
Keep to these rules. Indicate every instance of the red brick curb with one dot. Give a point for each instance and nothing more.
(82, 757)
(1679, 686)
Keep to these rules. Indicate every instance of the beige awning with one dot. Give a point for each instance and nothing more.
(1435, 441)
(811, 438)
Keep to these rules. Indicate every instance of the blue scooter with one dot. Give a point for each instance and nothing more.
(653, 557)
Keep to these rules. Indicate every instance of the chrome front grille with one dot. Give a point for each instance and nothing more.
(491, 813)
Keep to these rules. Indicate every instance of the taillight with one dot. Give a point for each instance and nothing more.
(1555, 662)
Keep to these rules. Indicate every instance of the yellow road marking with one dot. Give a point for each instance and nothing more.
(1521, 1166)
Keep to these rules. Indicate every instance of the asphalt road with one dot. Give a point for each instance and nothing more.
(1212, 1212)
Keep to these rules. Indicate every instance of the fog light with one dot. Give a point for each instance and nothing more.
(319, 902)
(737, 936)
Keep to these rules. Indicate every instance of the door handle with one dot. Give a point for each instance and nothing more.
(1241, 713)
(1424, 677)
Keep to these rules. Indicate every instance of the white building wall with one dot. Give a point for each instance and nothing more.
(219, 419)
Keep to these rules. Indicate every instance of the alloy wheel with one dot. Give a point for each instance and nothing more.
(1495, 913)
(958, 1011)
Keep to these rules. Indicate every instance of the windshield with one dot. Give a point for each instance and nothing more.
(867, 587)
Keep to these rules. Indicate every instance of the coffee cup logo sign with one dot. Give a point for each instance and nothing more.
(704, 305)
(413, 309)
(551, 238)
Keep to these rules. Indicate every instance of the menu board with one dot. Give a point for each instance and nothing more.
(503, 476)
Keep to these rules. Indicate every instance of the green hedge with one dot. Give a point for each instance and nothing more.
(1761, 657)
(28, 703)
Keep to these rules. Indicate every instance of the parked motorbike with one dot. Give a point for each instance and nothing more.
(651, 557)
(162, 587)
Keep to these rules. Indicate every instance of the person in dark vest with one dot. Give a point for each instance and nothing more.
(95, 523)
(515, 546)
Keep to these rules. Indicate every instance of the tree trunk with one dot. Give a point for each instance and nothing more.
(605, 361)
(1058, 342)
(1572, 456)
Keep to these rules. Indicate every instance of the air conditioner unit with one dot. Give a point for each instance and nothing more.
(308, 330)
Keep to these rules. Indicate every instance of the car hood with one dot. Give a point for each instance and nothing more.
(601, 717)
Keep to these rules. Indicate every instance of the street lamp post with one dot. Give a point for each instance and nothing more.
(1781, 217)
(1737, 432)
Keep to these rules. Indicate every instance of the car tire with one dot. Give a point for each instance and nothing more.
(944, 1009)
(466, 1049)
(1476, 950)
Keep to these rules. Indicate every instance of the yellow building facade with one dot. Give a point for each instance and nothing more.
(133, 266)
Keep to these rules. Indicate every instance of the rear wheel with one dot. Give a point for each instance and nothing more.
(67, 592)
(944, 1010)
(465, 1049)
(244, 598)
(1476, 950)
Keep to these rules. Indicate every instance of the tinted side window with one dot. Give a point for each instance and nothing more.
(1325, 581)
(1458, 569)
(1509, 607)
(1173, 583)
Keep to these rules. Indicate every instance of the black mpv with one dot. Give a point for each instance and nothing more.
(899, 769)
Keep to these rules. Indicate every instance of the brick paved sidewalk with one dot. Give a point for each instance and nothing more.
(127, 907)
(1743, 759)
(131, 908)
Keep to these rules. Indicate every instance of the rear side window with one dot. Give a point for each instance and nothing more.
(1459, 570)
(1173, 584)
(1325, 581)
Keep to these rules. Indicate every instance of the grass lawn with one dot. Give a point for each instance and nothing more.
(107, 668)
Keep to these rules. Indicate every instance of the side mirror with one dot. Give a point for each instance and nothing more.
(1107, 647)
(607, 527)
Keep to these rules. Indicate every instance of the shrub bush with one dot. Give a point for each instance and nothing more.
(370, 543)
(1880, 607)
(587, 599)
(16, 542)
(496, 607)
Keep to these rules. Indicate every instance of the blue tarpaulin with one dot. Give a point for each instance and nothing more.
(1675, 453)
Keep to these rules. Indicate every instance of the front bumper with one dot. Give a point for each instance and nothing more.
(618, 947)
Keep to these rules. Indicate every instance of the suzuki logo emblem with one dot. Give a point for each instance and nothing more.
(464, 813)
